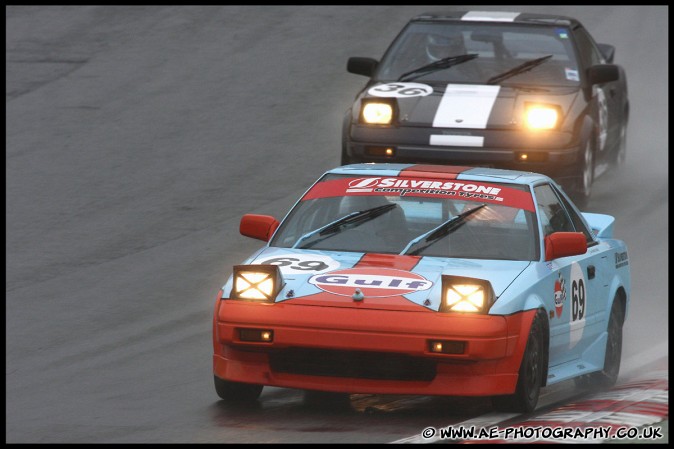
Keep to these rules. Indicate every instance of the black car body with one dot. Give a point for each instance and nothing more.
(476, 103)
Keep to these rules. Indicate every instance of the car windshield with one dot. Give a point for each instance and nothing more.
(423, 217)
(499, 48)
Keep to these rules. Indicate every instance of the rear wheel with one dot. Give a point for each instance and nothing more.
(237, 391)
(530, 375)
(608, 376)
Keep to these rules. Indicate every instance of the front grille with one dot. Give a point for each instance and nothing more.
(352, 364)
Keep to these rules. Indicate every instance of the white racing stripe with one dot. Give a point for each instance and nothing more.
(491, 16)
(465, 106)
(457, 141)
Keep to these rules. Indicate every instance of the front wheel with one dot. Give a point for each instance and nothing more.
(583, 188)
(236, 391)
(530, 375)
(620, 152)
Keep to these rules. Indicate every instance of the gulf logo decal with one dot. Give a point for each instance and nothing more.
(372, 282)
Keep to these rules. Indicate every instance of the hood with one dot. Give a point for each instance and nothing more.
(392, 282)
(472, 106)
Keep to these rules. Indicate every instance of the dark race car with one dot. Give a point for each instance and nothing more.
(494, 89)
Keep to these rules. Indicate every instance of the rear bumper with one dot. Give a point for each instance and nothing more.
(313, 348)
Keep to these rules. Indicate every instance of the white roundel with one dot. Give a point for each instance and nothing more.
(579, 305)
(301, 263)
(400, 90)
(603, 118)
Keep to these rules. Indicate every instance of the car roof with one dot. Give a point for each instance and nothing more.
(498, 16)
(442, 171)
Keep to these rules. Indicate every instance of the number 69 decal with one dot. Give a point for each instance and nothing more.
(579, 304)
(400, 90)
(301, 263)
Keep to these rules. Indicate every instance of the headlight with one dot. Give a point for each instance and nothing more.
(256, 282)
(377, 113)
(461, 294)
(541, 116)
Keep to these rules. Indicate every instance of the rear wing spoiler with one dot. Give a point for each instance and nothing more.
(601, 224)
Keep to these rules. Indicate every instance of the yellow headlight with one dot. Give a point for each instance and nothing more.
(541, 117)
(465, 298)
(462, 294)
(377, 113)
(256, 282)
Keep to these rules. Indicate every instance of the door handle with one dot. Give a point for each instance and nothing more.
(590, 271)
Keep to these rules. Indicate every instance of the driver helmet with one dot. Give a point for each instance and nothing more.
(439, 46)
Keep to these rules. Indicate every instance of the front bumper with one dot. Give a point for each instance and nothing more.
(369, 351)
(556, 154)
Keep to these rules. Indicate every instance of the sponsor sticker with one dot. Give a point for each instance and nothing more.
(560, 294)
(398, 186)
(372, 282)
(621, 259)
(571, 74)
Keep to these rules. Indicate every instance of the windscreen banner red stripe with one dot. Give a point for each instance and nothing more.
(388, 261)
(478, 191)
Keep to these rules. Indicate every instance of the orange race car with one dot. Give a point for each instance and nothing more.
(429, 280)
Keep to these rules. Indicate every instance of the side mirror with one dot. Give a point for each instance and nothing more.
(564, 244)
(607, 51)
(259, 227)
(603, 73)
(362, 66)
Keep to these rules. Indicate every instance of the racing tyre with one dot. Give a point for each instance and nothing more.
(530, 375)
(583, 188)
(608, 376)
(237, 391)
(621, 151)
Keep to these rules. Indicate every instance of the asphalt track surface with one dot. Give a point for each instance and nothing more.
(136, 137)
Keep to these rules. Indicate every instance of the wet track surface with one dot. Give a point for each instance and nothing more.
(138, 136)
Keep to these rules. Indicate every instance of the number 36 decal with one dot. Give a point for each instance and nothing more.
(300, 263)
(400, 90)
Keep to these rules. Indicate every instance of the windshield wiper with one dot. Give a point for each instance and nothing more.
(354, 219)
(438, 232)
(524, 67)
(443, 63)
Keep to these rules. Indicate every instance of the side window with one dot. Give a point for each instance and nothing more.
(589, 52)
(553, 215)
(577, 221)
